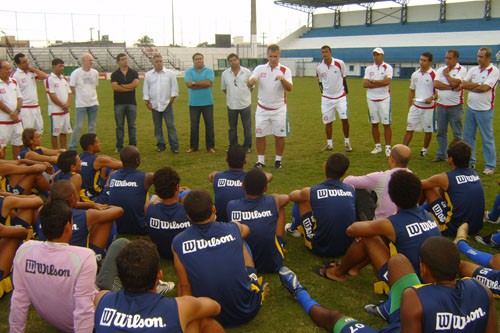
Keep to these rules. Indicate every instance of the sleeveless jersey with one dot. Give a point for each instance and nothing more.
(142, 312)
(227, 187)
(212, 255)
(464, 308)
(261, 216)
(24, 150)
(164, 222)
(92, 183)
(412, 227)
(333, 208)
(465, 198)
(61, 175)
(80, 235)
(126, 190)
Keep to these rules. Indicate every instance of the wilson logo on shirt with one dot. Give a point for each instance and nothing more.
(448, 320)
(322, 194)
(418, 228)
(462, 179)
(122, 183)
(34, 267)
(119, 319)
(238, 215)
(229, 183)
(194, 245)
(168, 225)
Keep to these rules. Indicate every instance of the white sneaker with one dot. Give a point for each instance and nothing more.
(328, 148)
(377, 150)
(488, 171)
(387, 151)
(295, 233)
(348, 146)
(487, 219)
(164, 287)
(423, 153)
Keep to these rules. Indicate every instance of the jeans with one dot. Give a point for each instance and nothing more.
(123, 111)
(208, 117)
(453, 116)
(168, 115)
(246, 120)
(91, 112)
(484, 121)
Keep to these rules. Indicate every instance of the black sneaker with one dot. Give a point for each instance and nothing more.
(259, 165)
(277, 164)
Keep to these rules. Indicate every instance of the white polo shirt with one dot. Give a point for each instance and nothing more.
(238, 95)
(85, 83)
(27, 83)
(332, 77)
(9, 93)
(482, 101)
(59, 86)
(272, 95)
(376, 72)
(449, 98)
(423, 84)
(159, 87)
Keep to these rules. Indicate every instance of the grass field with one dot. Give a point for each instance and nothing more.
(302, 166)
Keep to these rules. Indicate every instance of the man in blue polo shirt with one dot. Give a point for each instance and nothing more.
(199, 80)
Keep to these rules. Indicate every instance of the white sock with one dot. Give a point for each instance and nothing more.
(346, 140)
(424, 149)
(388, 146)
(329, 142)
(278, 158)
(261, 159)
(377, 145)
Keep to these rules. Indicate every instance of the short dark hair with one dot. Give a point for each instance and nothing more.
(460, 153)
(487, 52)
(255, 182)
(198, 54)
(28, 134)
(66, 159)
(119, 56)
(166, 181)
(326, 47)
(57, 61)
(232, 55)
(61, 190)
(455, 53)
(53, 218)
(87, 140)
(442, 257)
(336, 165)
(198, 205)
(130, 157)
(17, 57)
(428, 55)
(138, 265)
(236, 156)
(405, 189)
(273, 48)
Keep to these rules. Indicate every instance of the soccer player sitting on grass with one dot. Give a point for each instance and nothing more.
(139, 271)
(211, 260)
(407, 230)
(227, 184)
(488, 270)
(95, 169)
(463, 194)
(442, 304)
(69, 165)
(325, 210)
(166, 216)
(31, 150)
(265, 216)
(20, 176)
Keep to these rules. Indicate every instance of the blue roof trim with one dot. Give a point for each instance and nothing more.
(408, 28)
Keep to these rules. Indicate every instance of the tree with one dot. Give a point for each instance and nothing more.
(145, 41)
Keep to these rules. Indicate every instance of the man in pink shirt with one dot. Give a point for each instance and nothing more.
(57, 278)
(379, 181)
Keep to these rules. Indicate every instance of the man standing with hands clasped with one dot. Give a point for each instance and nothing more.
(271, 116)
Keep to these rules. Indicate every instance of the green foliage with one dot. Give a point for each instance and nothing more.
(302, 166)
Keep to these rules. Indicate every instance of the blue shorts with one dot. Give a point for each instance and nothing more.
(490, 278)
(348, 325)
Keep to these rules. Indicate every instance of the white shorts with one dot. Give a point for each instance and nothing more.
(32, 118)
(421, 119)
(380, 111)
(60, 124)
(269, 122)
(12, 134)
(329, 105)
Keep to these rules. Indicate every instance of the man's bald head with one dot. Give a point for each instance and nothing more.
(130, 157)
(401, 155)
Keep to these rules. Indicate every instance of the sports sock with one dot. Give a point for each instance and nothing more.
(295, 216)
(388, 146)
(261, 159)
(278, 158)
(329, 142)
(346, 140)
(305, 300)
(482, 258)
(378, 145)
(495, 238)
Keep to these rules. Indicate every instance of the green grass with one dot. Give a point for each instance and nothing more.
(302, 166)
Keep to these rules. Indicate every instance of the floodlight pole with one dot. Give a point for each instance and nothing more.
(173, 31)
